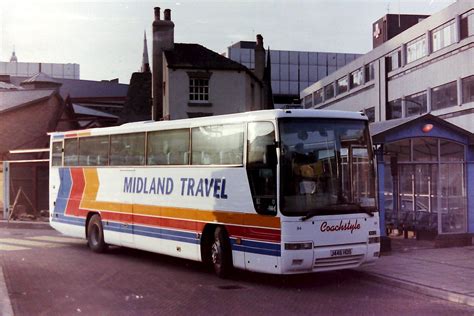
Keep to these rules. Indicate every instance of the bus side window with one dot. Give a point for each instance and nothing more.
(261, 166)
(57, 154)
(93, 151)
(71, 157)
(170, 147)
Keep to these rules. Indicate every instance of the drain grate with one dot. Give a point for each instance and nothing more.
(230, 287)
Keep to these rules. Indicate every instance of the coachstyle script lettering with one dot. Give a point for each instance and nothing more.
(201, 187)
(325, 227)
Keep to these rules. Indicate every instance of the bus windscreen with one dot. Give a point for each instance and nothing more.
(326, 167)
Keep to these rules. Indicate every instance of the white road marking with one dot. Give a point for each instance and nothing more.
(11, 248)
(28, 243)
(66, 240)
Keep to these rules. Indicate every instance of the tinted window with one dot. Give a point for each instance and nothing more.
(468, 89)
(57, 154)
(415, 104)
(394, 109)
(168, 147)
(444, 96)
(127, 149)
(217, 145)
(94, 151)
(71, 157)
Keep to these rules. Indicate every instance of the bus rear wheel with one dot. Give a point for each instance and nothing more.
(95, 235)
(221, 253)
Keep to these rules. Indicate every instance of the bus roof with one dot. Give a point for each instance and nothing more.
(212, 120)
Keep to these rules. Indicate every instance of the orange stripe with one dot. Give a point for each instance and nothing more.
(90, 202)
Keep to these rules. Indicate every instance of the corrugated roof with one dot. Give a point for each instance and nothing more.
(13, 99)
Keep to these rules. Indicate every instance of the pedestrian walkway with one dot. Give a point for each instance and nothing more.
(446, 273)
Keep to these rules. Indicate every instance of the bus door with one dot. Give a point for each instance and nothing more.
(263, 232)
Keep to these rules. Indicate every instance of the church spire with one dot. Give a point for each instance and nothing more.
(145, 61)
(13, 58)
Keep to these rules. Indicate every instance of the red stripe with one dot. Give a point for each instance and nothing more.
(116, 217)
(262, 234)
(78, 182)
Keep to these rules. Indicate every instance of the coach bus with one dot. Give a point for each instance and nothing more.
(273, 191)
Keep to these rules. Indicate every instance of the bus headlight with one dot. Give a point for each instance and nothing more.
(298, 246)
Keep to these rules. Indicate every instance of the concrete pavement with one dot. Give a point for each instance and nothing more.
(446, 273)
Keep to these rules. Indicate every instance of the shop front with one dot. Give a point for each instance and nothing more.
(426, 176)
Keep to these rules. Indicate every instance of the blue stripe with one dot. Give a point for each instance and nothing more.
(64, 190)
(58, 136)
(257, 247)
(153, 232)
(61, 218)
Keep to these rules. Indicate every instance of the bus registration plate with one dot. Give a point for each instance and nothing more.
(341, 252)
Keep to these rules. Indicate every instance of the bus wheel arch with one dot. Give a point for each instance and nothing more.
(95, 233)
(216, 249)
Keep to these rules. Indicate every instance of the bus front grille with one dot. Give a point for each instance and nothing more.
(337, 262)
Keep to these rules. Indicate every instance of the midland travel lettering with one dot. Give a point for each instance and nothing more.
(201, 187)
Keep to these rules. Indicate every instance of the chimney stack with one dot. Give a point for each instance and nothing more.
(167, 15)
(163, 39)
(259, 58)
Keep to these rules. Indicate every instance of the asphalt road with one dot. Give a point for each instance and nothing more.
(47, 275)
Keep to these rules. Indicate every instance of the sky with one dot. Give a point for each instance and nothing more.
(105, 37)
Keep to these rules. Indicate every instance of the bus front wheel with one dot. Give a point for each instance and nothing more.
(221, 253)
(95, 235)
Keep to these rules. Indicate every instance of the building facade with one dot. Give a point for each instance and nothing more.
(190, 80)
(427, 68)
(54, 70)
(291, 71)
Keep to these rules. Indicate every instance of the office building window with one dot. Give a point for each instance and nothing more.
(329, 92)
(369, 72)
(467, 24)
(394, 109)
(308, 101)
(370, 112)
(444, 96)
(468, 89)
(342, 85)
(198, 90)
(443, 36)
(416, 49)
(415, 104)
(318, 97)
(394, 60)
(356, 78)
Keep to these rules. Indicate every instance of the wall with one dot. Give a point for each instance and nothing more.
(229, 92)
(35, 121)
